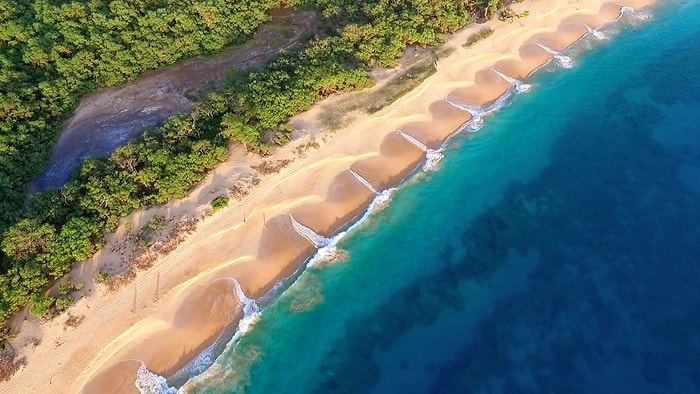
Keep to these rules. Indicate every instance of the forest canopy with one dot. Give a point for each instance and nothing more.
(53, 52)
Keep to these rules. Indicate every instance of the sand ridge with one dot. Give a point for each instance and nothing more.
(174, 310)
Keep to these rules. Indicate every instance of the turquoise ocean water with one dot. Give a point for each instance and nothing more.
(557, 250)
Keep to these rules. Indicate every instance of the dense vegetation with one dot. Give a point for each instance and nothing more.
(53, 52)
(473, 38)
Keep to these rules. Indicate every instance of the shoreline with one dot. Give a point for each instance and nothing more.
(318, 191)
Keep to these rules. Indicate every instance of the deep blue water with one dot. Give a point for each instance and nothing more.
(555, 251)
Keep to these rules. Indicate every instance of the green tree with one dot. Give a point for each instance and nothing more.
(236, 129)
(27, 237)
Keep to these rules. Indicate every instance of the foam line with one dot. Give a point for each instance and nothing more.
(520, 86)
(564, 61)
(330, 249)
(317, 240)
(413, 140)
(148, 382)
(432, 156)
(363, 181)
(596, 33)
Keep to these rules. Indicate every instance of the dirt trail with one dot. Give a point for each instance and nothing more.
(109, 118)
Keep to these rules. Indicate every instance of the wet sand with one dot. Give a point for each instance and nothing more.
(118, 379)
(254, 241)
(396, 159)
(488, 86)
(445, 119)
(347, 198)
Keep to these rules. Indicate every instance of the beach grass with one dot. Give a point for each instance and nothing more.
(219, 203)
(482, 34)
(401, 85)
(339, 114)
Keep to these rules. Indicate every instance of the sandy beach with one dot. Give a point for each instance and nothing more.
(173, 311)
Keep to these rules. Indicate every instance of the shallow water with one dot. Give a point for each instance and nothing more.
(554, 251)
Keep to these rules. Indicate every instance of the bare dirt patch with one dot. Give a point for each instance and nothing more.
(109, 118)
(272, 166)
(9, 363)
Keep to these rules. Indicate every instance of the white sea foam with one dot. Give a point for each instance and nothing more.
(432, 156)
(520, 86)
(274, 292)
(564, 61)
(319, 241)
(625, 8)
(432, 159)
(641, 15)
(363, 181)
(250, 308)
(644, 15)
(197, 366)
(477, 120)
(413, 140)
(279, 288)
(207, 358)
(473, 110)
(251, 312)
(148, 382)
(327, 253)
(478, 113)
(330, 250)
(596, 33)
(475, 124)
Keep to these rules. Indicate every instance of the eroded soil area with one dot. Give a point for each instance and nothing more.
(109, 118)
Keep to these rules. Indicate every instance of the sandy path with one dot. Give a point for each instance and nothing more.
(318, 190)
